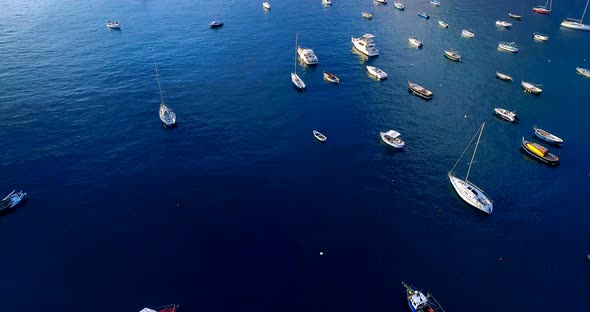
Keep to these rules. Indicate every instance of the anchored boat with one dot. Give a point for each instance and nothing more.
(506, 114)
(435, 2)
(331, 77)
(543, 9)
(367, 15)
(307, 56)
(320, 137)
(547, 136)
(297, 82)
(398, 5)
(365, 44)
(11, 200)
(503, 76)
(167, 114)
(419, 302)
(503, 24)
(515, 16)
(420, 91)
(540, 37)
(266, 5)
(453, 55)
(443, 24)
(216, 24)
(377, 72)
(531, 88)
(583, 71)
(539, 152)
(415, 42)
(168, 308)
(467, 33)
(423, 15)
(508, 46)
(113, 25)
(391, 138)
(577, 24)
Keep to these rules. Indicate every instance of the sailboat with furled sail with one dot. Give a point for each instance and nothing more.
(167, 114)
(468, 191)
(577, 24)
(297, 82)
(543, 9)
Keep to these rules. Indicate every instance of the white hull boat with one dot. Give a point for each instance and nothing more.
(367, 15)
(503, 76)
(297, 82)
(167, 115)
(327, 2)
(320, 137)
(443, 24)
(307, 56)
(506, 114)
(435, 2)
(577, 24)
(12, 199)
(266, 5)
(503, 24)
(415, 42)
(400, 6)
(381, 1)
(377, 72)
(531, 88)
(391, 138)
(365, 44)
(540, 37)
(547, 136)
(467, 33)
(583, 71)
(113, 25)
(508, 46)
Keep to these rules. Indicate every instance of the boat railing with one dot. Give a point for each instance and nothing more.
(434, 303)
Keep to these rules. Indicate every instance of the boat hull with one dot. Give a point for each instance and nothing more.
(506, 115)
(414, 89)
(541, 10)
(469, 192)
(399, 6)
(503, 77)
(363, 49)
(583, 72)
(575, 26)
(537, 157)
(424, 15)
(530, 88)
(297, 82)
(453, 58)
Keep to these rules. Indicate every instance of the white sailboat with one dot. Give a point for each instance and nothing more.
(576, 24)
(468, 191)
(167, 115)
(297, 82)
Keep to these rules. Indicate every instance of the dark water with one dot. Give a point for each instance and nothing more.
(230, 210)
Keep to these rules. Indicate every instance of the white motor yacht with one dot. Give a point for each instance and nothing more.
(503, 24)
(506, 114)
(365, 44)
(415, 42)
(467, 33)
(377, 72)
(307, 56)
(266, 5)
(391, 138)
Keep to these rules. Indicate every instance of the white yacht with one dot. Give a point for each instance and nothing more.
(266, 5)
(577, 24)
(391, 138)
(307, 56)
(508, 46)
(443, 24)
(583, 71)
(381, 1)
(415, 42)
(398, 5)
(113, 25)
(503, 24)
(506, 114)
(540, 37)
(367, 15)
(365, 44)
(468, 191)
(377, 72)
(467, 33)
(297, 82)
(167, 114)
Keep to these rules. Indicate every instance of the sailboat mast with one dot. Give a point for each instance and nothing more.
(474, 151)
(583, 14)
(158, 76)
(295, 58)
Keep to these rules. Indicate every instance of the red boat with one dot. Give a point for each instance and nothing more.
(542, 9)
(168, 308)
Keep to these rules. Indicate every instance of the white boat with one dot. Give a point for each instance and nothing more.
(531, 88)
(467, 33)
(12, 199)
(113, 25)
(297, 82)
(540, 37)
(168, 308)
(503, 24)
(381, 1)
(468, 191)
(377, 72)
(365, 44)
(398, 5)
(453, 55)
(367, 15)
(331, 77)
(415, 42)
(167, 114)
(503, 76)
(547, 136)
(443, 24)
(266, 5)
(435, 2)
(391, 138)
(506, 114)
(307, 56)
(577, 24)
(583, 71)
(216, 24)
(327, 2)
(508, 46)
(320, 137)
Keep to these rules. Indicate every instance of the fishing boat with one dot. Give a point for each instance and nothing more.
(167, 114)
(418, 302)
(381, 1)
(543, 9)
(506, 114)
(577, 24)
(468, 191)
(423, 15)
(443, 24)
(531, 88)
(435, 2)
(367, 15)
(453, 55)
(320, 137)
(420, 91)
(266, 5)
(398, 5)
(216, 24)
(327, 2)
(331, 77)
(504, 77)
(508, 46)
(297, 82)
(583, 71)
(503, 24)
(365, 44)
(515, 16)
(391, 138)
(307, 56)
(539, 152)
(415, 42)
(113, 25)
(168, 308)
(377, 72)
(11, 200)
(467, 33)
(547, 136)
(540, 37)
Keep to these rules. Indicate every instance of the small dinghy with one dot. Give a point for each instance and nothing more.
(266, 5)
(415, 42)
(531, 88)
(11, 200)
(583, 71)
(327, 2)
(515, 16)
(398, 5)
(391, 138)
(508, 46)
(435, 2)
(331, 77)
(420, 91)
(216, 24)
(381, 1)
(423, 15)
(547, 136)
(539, 152)
(443, 24)
(467, 33)
(320, 137)
(113, 25)
(540, 37)
(503, 24)
(453, 55)
(367, 15)
(506, 114)
(504, 77)
(377, 72)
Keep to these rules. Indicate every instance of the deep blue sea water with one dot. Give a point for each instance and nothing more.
(229, 211)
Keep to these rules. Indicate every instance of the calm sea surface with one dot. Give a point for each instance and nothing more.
(229, 211)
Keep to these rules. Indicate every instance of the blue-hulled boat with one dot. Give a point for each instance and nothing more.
(419, 302)
(423, 15)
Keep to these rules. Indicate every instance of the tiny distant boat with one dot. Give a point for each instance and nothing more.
(307, 56)
(506, 114)
(419, 302)
(503, 24)
(11, 200)
(381, 1)
(266, 5)
(435, 2)
(415, 42)
(539, 152)
(583, 71)
(453, 55)
(508, 46)
(367, 15)
(398, 5)
(377, 72)
(327, 2)
(331, 77)
(423, 15)
(419, 90)
(547, 136)
(166, 113)
(216, 24)
(540, 37)
(467, 33)
(515, 16)
(503, 76)
(531, 88)
(320, 137)
(543, 9)
(297, 82)
(113, 25)
(391, 138)
(577, 24)
(365, 44)
(168, 308)
(443, 24)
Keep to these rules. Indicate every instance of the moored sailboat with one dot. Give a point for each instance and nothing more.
(167, 114)
(297, 82)
(543, 9)
(168, 308)
(419, 302)
(576, 24)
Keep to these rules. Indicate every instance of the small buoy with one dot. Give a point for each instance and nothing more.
(465, 116)
(321, 253)
(549, 60)
(412, 64)
(500, 259)
(177, 205)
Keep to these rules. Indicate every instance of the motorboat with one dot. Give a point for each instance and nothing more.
(515, 16)
(419, 90)
(381, 1)
(266, 5)
(391, 138)
(453, 55)
(531, 88)
(467, 33)
(216, 24)
(415, 42)
(543, 9)
(504, 77)
(367, 15)
(365, 44)
(331, 77)
(547, 136)
(540, 37)
(503, 24)
(295, 79)
(443, 24)
(327, 2)
(113, 25)
(398, 5)
(168, 308)
(377, 72)
(419, 302)
(307, 56)
(508, 46)
(166, 113)
(583, 71)
(320, 137)
(468, 191)
(435, 2)
(11, 200)
(506, 114)
(424, 15)
(539, 152)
